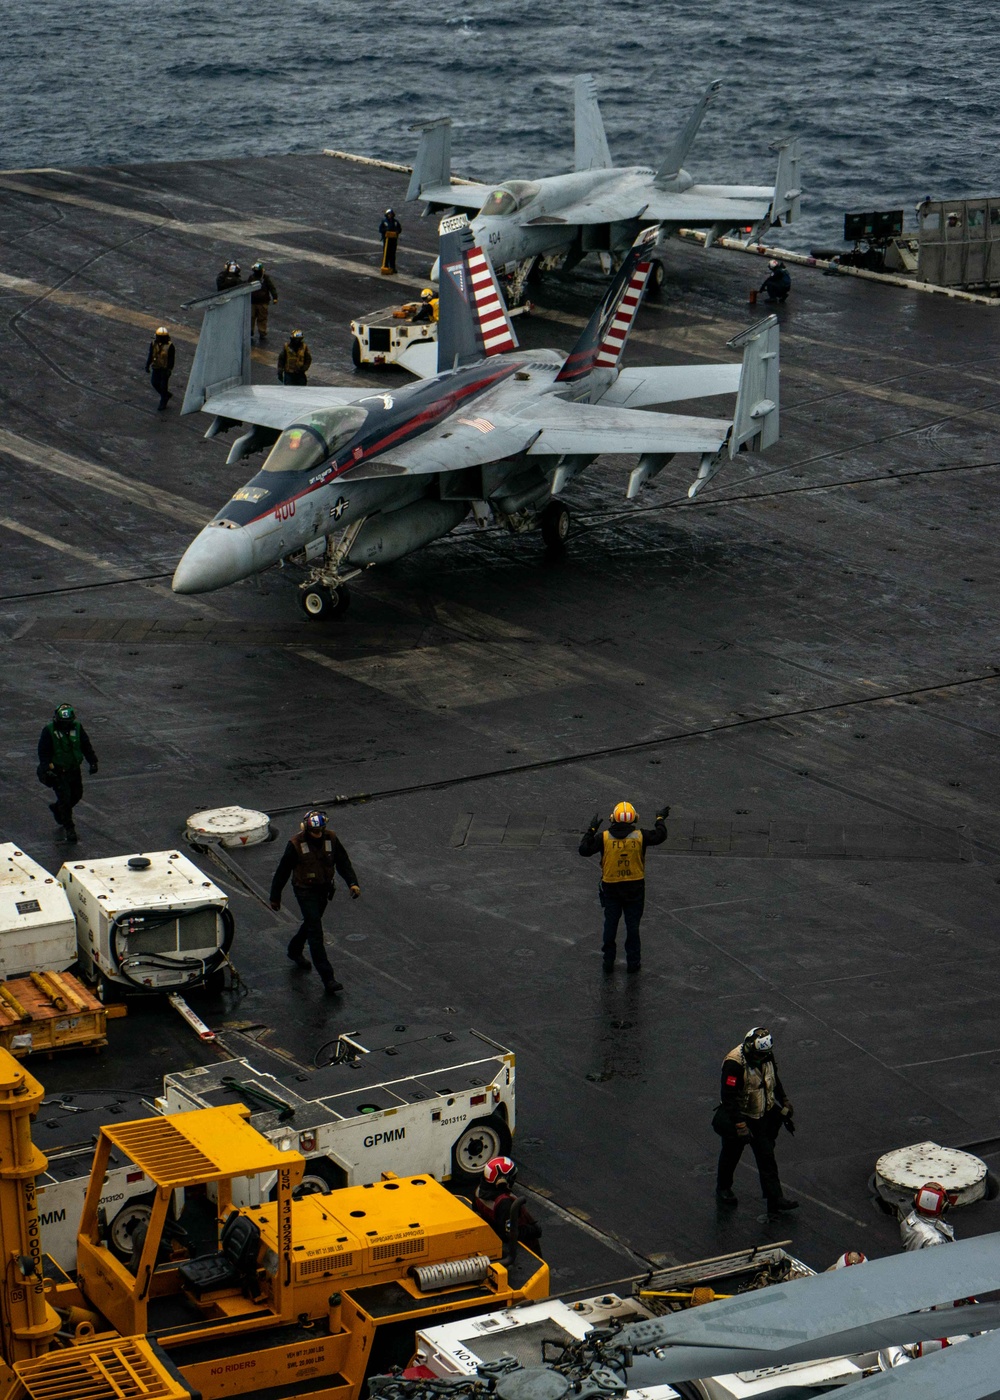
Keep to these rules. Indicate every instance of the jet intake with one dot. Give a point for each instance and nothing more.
(386, 537)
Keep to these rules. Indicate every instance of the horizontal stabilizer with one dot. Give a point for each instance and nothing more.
(659, 384)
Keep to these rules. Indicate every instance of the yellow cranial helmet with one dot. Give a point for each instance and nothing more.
(624, 814)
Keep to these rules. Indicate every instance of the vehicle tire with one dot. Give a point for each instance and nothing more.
(657, 277)
(215, 982)
(112, 993)
(134, 1213)
(320, 1177)
(555, 523)
(356, 352)
(322, 603)
(475, 1145)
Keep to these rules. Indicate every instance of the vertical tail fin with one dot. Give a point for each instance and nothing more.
(755, 421)
(787, 189)
(432, 166)
(472, 321)
(590, 145)
(675, 157)
(222, 359)
(604, 337)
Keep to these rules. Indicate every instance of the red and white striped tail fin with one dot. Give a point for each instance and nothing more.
(605, 335)
(613, 343)
(494, 325)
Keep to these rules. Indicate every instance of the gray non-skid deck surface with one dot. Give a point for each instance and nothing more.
(804, 665)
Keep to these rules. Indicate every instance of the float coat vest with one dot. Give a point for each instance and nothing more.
(757, 1096)
(67, 750)
(295, 360)
(159, 355)
(315, 867)
(622, 858)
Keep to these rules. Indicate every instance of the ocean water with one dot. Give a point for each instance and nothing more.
(892, 100)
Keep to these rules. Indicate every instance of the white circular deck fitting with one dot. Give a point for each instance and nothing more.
(900, 1173)
(230, 826)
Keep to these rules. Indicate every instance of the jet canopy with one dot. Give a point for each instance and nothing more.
(509, 198)
(321, 436)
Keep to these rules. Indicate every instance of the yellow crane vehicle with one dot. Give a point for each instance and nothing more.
(298, 1297)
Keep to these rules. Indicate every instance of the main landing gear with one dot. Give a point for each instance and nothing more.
(555, 524)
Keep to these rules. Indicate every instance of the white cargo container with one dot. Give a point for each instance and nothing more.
(37, 929)
(152, 922)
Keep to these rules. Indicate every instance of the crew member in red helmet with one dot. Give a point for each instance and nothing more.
(493, 1200)
(925, 1225)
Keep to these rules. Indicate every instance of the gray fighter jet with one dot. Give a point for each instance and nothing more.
(598, 207)
(355, 478)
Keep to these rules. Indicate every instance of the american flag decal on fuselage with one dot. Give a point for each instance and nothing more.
(494, 327)
(611, 347)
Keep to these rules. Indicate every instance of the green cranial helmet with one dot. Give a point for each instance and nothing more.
(65, 712)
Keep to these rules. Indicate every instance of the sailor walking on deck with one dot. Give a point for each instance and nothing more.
(313, 858)
(160, 364)
(622, 890)
(294, 360)
(63, 745)
(260, 299)
(753, 1110)
(389, 230)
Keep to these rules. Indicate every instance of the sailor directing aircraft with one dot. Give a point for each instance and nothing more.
(353, 480)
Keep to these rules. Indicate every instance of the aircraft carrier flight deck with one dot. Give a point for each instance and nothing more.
(803, 663)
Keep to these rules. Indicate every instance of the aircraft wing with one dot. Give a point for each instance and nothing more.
(278, 405)
(671, 384)
(607, 209)
(464, 196)
(693, 209)
(591, 429)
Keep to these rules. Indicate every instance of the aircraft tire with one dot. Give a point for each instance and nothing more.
(356, 352)
(555, 523)
(321, 603)
(657, 277)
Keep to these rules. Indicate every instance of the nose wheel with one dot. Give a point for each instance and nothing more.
(318, 601)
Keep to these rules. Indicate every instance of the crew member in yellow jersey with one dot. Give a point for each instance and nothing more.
(622, 849)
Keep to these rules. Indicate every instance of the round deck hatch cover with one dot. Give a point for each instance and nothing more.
(229, 826)
(898, 1174)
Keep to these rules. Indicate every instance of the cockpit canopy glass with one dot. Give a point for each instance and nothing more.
(315, 440)
(508, 198)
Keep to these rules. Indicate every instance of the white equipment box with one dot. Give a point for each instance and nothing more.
(149, 923)
(405, 1099)
(37, 930)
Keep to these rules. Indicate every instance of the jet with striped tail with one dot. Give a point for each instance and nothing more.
(352, 480)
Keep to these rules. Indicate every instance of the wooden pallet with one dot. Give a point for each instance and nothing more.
(49, 1011)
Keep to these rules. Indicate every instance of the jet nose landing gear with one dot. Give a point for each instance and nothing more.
(318, 601)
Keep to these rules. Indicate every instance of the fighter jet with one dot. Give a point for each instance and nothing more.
(598, 207)
(353, 479)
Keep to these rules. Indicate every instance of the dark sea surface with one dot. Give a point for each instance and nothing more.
(892, 100)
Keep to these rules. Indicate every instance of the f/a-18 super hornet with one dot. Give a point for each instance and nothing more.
(598, 207)
(356, 479)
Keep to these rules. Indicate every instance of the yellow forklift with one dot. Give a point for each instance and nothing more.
(298, 1297)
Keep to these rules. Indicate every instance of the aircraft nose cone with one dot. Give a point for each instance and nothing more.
(214, 558)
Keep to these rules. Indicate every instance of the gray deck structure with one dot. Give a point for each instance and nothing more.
(804, 664)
